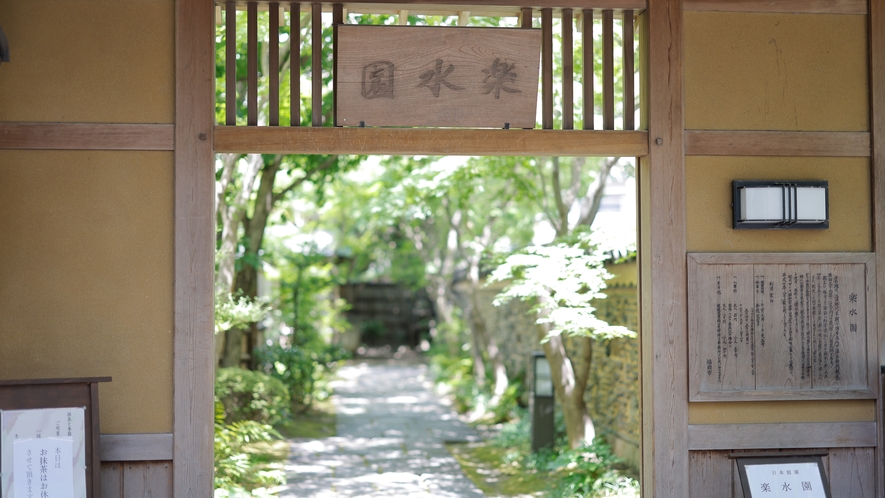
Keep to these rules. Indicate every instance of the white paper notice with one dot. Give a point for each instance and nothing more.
(23, 430)
(43, 468)
(785, 480)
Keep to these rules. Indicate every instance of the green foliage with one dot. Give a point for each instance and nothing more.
(250, 395)
(301, 370)
(591, 472)
(563, 279)
(239, 471)
(233, 311)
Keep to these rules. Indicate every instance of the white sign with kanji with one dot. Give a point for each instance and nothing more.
(785, 480)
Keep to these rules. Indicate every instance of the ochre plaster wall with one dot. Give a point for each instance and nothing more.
(709, 214)
(776, 72)
(783, 72)
(86, 275)
(107, 61)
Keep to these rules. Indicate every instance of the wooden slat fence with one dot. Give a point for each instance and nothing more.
(616, 27)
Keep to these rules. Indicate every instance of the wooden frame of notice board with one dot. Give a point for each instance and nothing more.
(782, 326)
(62, 393)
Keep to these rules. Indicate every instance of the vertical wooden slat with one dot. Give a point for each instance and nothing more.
(252, 64)
(547, 69)
(629, 97)
(111, 480)
(295, 63)
(664, 345)
(568, 72)
(194, 249)
(337, 18)
(316, 67)
(853, 472)
(876, 19)
(94, 466)
(526, 20)
(230, 64)
(273, 56)
(608, 70)
(587, 90)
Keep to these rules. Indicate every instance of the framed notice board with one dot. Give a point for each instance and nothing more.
(785, 476)
(49, 437)
(781, 326)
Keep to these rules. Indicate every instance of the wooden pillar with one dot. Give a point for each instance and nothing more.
(877, 164)
(194, 252)
(662, 254)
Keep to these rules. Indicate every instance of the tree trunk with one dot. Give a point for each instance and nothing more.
(569, 383)
(480, 332)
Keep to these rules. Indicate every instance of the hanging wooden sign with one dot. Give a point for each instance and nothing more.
(781, 326)
(436, 76)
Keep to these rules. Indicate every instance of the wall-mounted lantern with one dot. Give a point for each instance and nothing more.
(541, 404)
(4, 47)
(780, 204)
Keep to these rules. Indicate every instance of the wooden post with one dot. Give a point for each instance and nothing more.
(526, 18)
(337, 19)
(316, 68)
(568, 72)
(587, 42)
(295, 63)
(252, 63)
(547, 69)
(274, 64)
(230, 64)
(194, 249)
(876, 38)
(663, 260)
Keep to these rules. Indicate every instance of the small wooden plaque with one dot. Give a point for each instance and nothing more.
(781, 326)
(436, 76)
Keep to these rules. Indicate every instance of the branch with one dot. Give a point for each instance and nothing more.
(590, 203)
(328, 163)
(561, 207)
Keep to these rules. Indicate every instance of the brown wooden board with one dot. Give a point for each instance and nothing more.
(806, 318)
(437, 76)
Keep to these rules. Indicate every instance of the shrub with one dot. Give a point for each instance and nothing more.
(249, 395)
(299, 369)
(591, 472)
(239, 472)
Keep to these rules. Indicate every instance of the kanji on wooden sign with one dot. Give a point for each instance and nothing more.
(436, 76)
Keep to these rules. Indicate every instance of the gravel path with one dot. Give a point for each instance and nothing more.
(391, 434)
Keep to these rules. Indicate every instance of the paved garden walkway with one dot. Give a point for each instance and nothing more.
(390, 443)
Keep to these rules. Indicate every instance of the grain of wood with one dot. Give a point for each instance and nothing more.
(418, 141)
(112, 480)
(86, 136)
(858, 7)
(664, 323)
(194, 256)
(316, 64)
(294, 69)
(568, 71)
(437, 76)
(777, 143)
(793, 435)
(710, 473)
(853, 472)
(135, 447)
(608, 70)
(629, 92)
(546, 69)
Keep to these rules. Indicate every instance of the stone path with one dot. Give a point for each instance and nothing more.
(390, 443)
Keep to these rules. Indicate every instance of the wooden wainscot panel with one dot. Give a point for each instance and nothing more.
(436, 76)
(781, 326)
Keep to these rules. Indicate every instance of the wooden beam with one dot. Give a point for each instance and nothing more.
(86, 136)
(397, 5)
(782, 6)
(135, 447)
(664, 347)
(795, 435)
(423, 141)
(777, 143)
(194, 250)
